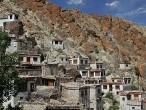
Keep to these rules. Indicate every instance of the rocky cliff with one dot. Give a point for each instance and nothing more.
(102, 38)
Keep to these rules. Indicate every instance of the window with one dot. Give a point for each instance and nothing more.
(101, 66)
(97, 66)
(82, 93)
(66, 59)
(133, 108)
(117, 93)
(74, 61)
(97, 74)
(21, 98)
(113, 80)
(129, 81)
(117, 87)
(81, 61)
(91, 74)
(35, 59)
(128, 97)
(28, 59)
(86, 92)
(136, 96)
(62, 59)
(86, 61)
(126, 65)
(123, 99)
(104, 86)
(119, 81)
(102, 74)
(11, 16)
(56, 42)
(125, 81)
(84, 73)
(99, 91)
(16, 16)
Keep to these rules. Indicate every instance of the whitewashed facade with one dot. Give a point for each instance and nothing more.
(10, 18)
(131, 100)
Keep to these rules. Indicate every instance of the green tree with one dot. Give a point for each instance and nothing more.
(115, 103)
(8, 74)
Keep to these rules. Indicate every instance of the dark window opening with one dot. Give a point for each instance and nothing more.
(104, 86)
(81, 61)
(85, 92)
(86, 61)
(118, 87)
(16, 16)
(123, 99)
(99, 91)
(56, 42)
(35, 59)
(28, 59)
(82, 93)
(11, 16)
(21, 98)
(62, 59)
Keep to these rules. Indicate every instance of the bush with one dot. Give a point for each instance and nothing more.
(109, 95)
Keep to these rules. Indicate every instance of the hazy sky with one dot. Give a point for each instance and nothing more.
(133, 10)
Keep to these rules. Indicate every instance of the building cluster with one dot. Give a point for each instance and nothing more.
(81, 86)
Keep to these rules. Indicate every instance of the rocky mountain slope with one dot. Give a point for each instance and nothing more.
(102, 38)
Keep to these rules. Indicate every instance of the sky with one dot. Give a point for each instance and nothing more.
(132, 10)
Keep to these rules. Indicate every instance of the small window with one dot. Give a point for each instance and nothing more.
(62, 59)
(99, 91)
(113, 80)
(91, 74)
(56, 42)
(133, 108)
(82, 93)
(66, 59)
(86, 92)
(75, 61)
(102, 73)
(97, 66)
(86, 61)
(81, 61)
(117, 87)
(126, 65)
(129, 81)
(35, 59)
(84, 73)
(119, 81)
(123, 99)
(28, 59)
(104, 86)
(97, 74)
(11, 16)
(117, 93)
(16, 16)
(21, 98)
